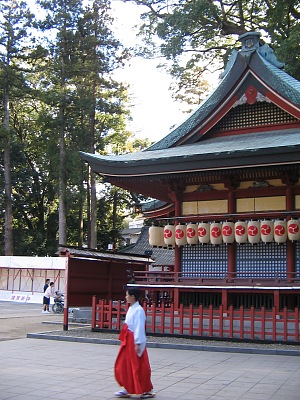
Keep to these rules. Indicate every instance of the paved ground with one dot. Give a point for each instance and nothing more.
(31, 369)
(18, 319)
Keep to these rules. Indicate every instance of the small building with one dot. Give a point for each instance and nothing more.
(131, 233)
(228, 190)
(22, 278)
(78, 273)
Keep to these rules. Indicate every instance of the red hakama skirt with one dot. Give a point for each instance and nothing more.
(131, 371)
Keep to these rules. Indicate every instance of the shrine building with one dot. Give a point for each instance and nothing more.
(227, 190)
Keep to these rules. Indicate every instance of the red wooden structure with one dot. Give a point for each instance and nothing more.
(229, 173)
(91, 273)
(204, 322)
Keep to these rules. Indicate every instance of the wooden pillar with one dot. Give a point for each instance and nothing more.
(290, 246)
(277, 300)
(177, 255)
(176, 298)
(178, 250)
(175, 196)
(177, 259)
(224, 300)
(232, 248)
(231, 261)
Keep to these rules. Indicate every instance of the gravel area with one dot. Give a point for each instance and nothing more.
(86, 332)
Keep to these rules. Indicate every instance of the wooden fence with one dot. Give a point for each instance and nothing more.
(208, 322)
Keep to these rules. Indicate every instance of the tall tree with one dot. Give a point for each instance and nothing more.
(62, 17)
(99, 53)
(70, 102)
(83, 98)
(14, 21)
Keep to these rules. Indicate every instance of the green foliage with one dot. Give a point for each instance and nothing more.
(196, 35)
(62, 89)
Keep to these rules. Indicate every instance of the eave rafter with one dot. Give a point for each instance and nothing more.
(165, 187)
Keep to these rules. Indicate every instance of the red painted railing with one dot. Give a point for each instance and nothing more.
(145, 278)
(250, 324)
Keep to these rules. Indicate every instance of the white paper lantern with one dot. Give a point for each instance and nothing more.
(216, 233)
(192, 234)
(293, 229)
(156, 236)
(266, 231)
(253, 232)
(228, 232)
(180, 235)
(240, 232)
(169, 235)
(203, 232)
(280, 231)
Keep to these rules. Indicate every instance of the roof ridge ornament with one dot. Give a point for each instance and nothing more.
(250, 43)
(267, 52)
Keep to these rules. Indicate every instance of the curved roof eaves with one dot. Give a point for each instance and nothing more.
(226, 147)
(279, 80)
(203, 110)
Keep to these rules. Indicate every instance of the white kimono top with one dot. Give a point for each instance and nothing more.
(135, 320)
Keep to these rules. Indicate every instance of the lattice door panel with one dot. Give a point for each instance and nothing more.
(261, 260)
(207, 261)
(297, 268)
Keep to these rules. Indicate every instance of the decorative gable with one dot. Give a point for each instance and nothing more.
(252, 76)
(246, 117)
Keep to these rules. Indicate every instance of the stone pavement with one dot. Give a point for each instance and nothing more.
(32, 369)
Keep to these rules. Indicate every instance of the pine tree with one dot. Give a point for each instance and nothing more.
(14, 50)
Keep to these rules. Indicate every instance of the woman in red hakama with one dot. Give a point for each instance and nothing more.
(132, 367)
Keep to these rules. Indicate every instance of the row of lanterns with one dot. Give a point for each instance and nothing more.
(227, 232)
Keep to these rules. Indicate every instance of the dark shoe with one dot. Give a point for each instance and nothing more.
(147, 395)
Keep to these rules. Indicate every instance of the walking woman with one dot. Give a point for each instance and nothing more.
(132, 367)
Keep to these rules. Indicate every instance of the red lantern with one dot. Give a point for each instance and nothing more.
(280, 231)
(228, 232)
(203, 232)
(266, 231)
(240, 232)
(253, 231)
(216, 233)
(293, 229)
(180, 235)
(156, 236)
(192, 234)
(169, 235)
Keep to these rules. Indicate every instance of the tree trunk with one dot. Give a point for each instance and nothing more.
(8, 231)
(93, 215)
(80, 220)
(62, 219)
(93, 211)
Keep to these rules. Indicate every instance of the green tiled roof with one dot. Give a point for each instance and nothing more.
(275, 78)
(280, 81)
(221, 152)
(259, 64)
(199, 114)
